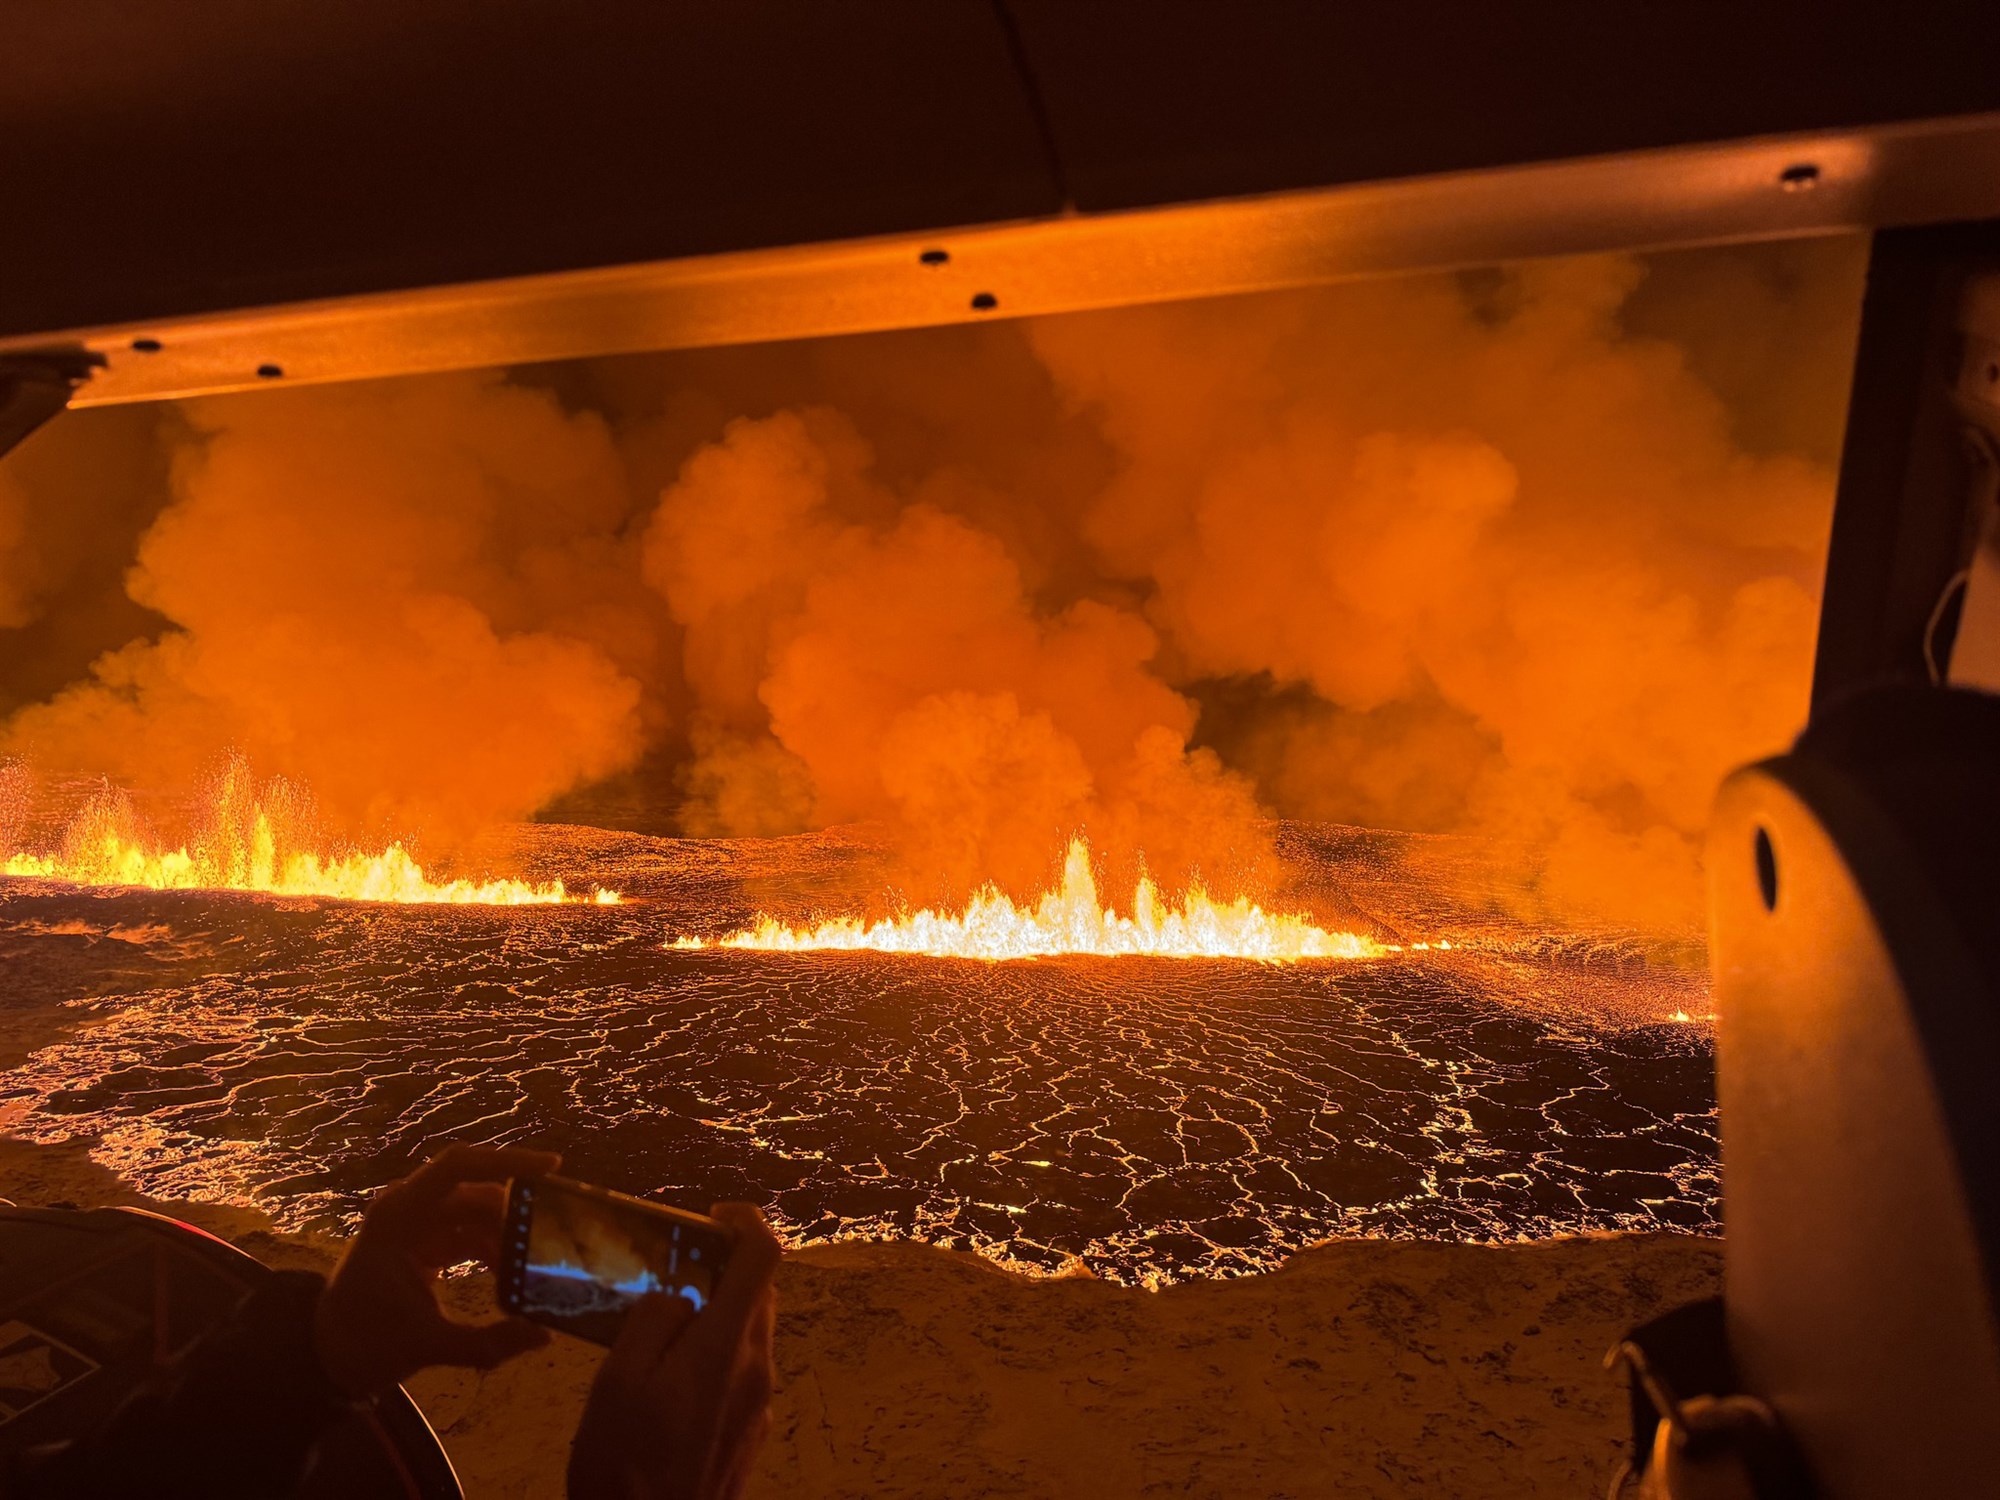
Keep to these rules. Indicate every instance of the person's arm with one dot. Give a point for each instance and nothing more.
(238, 1414)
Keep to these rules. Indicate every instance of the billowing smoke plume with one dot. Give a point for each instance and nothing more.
(1529, 554)
(898, 671)
(1517, 558)
(17, 583)
(73, 499)
(410, 597)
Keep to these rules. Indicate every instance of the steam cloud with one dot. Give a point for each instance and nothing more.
(405, 596)
(900, 672)
(1530, 554)
(1533, 584)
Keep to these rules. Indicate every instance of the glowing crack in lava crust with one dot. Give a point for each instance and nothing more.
(1152, 1119)
(1069, 920)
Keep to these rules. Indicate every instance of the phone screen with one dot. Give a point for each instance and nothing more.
(577, 1257)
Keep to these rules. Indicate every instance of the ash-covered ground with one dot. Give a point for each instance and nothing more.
(1155, 1119)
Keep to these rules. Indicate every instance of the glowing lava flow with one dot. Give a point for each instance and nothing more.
(389, 876)
(253, 844)
(1070, 919)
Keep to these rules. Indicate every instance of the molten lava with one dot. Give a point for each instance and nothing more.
(262, 839)
(391, 875)
(1069, 919)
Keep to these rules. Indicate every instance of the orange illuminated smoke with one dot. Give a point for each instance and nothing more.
(1069, 919)
(261, 840)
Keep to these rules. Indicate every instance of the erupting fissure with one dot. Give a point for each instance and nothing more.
(256, 839)
(1069, 920)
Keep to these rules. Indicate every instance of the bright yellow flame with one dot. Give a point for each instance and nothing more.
(1070, 919)
(258, 839)
(389, 876)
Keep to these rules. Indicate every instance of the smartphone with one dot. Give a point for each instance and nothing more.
(576, 1257)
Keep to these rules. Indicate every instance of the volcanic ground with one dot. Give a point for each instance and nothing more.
(1152, 1119)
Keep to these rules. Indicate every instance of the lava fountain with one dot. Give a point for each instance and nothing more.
(261, 839)
(1069, 919)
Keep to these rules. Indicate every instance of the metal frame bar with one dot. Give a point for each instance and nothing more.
(1745, 190)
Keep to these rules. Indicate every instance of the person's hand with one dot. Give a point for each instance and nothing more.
(378, 1320)
(680, 1404)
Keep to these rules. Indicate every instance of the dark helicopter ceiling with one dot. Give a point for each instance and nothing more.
(167, 160)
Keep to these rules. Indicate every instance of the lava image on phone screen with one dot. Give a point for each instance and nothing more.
(591, 1254)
